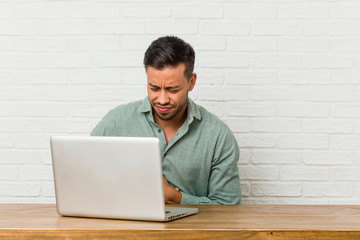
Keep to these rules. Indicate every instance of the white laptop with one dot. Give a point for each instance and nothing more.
(111, 177)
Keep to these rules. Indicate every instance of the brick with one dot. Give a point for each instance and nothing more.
(6, 140)
(277, 61)
(120, 59)
(345, 142)
(259, 173)
(35, 172)
(276, 156)
(276, 28)
(209, 43)
(328, 61)
(206, 76)
(304, 44)
(94, 44)
(222, 93)
(303, 141)
(46, 157)
(345, 44)
(132, 76)
(7, 78)
(119, 27)
(344, 201)
(32, 141)
(67, 93)
(66, 27)
(259, 200)
(241, 109)
(329, 93)
(348, 11)
(217, 27)
(8, 173)
(93, 10)
(19, 125)
(88, 110)
(118, 94)
(344, 173)
(302, 200)
(135, 42)
(304, 77)
(245, 156)
(90, 76)
(19, 27)
(327, 125)
(275, 125)
(237, 77)
(6, 11)
(47, 189)
(357, 126)
(14, 156)
(18, 189)
(7, 43)
(19, 61)
(33, 77)
(7, 109)
(42, 109)
(328, 157)
(303, 109)
(307, 173)
(245, 189)
(208, 59)
(316, 189)
(216, 108)
(276, 189)
(238, 125)
(172, 27)
(40, 10)
(357, 190)
(71, 60)
(270, 93)
(260, 44)
(250, 11)
(20, 93)
(345, 77)
(357, 158)
(207, 11)
(255, 140)
(301, 11)
(71, 126)
(349, 110)
(328, 28)
(141, 11)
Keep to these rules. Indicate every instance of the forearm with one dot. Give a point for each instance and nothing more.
(191, 199)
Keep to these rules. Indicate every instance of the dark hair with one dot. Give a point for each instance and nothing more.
(170, 51)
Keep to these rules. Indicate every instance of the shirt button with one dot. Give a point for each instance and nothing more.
(159, 130)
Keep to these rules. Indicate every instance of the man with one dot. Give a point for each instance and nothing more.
(199, 151)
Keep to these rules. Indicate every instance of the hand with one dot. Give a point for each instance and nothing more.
(172, 195)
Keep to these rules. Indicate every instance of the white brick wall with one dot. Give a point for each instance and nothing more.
(284, 75)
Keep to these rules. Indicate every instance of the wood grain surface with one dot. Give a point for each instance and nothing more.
(18, 221)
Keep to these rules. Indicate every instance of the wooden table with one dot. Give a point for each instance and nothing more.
(212, 222)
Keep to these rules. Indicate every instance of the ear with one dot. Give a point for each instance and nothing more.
(192, 82)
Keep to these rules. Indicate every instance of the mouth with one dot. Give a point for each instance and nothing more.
(163, 109)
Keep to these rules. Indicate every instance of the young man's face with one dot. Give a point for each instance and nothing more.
(168, 91)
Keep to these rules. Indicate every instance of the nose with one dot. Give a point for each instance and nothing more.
(163, 98)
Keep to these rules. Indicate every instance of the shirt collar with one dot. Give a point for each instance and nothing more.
(193, 109)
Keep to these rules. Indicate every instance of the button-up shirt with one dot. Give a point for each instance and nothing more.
(201, 159)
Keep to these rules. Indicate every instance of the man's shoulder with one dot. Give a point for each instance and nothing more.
(210, 119)
(126, 109)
